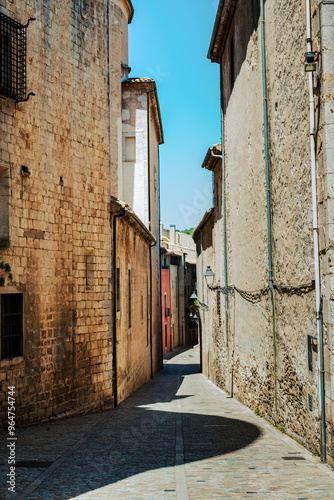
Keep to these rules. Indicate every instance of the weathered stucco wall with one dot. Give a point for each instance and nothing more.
(261, 355)
(59, 216)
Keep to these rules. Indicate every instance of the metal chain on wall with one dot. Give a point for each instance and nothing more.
(256, 295)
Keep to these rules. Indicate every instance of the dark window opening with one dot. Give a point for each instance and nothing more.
(166, 336)
(166, 309)
(89, 270)
(118, 301)
(13, 67)
(142, 307)
(129, 295)
(174, 260)
(164, 263)
(309, 353)
(11, 325)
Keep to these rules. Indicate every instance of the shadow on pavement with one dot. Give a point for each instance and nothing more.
(136, 437)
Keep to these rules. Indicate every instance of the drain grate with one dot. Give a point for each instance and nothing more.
(33, 464)
(293, 458)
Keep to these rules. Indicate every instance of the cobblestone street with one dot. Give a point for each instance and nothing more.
(176, 437)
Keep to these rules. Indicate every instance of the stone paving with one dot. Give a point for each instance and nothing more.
(178, 437)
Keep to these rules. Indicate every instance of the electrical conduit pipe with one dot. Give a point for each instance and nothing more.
(316, 241)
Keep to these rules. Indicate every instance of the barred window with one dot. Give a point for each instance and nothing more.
(13, 55)
(11, 325)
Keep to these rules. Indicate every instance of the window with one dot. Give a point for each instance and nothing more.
(13, 48)
(11, 325)
(174, 261)
(118, 301)
(309, 353)
(166, 336)
(155, 178)
(4, 203)
(130, 149)
(142, 307)
(89, 260)
(129, 296)
(166, 309)
(165, 262)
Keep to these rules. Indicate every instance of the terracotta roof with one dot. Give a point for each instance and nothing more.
(211, 161)
(120, 207)
(149, 85)
(221, 28)
(200, 226)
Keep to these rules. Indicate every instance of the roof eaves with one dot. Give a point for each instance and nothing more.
(200, 226)
(211, 161)
(221, 28)
(130, 9)
(120, 207)
(150, 87)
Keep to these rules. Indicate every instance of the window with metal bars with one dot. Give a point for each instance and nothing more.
(13, 59)
(11, 325)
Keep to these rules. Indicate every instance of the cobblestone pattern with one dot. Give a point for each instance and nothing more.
(131, 452)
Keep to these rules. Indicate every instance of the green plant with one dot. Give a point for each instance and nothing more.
(315, 453)
(5, 267)
(257, 411)
(281, 428)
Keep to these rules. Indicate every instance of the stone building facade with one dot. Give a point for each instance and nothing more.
(136, 355)
(260, 337)
(59, 163)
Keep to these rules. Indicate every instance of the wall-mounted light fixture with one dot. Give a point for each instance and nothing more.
(310, 63)
(209, 276)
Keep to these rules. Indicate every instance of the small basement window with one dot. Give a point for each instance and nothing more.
(13, 59)
(11, 325)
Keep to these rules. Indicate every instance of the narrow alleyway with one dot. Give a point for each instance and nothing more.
(176, 437)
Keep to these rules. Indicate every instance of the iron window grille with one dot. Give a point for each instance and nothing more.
(11, 325)
(13, 59)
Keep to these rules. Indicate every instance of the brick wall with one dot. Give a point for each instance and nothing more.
(67, 137)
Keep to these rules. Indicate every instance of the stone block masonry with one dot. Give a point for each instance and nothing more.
(59, 215)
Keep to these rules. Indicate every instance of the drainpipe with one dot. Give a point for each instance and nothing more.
(266, 144)
(115, 306)
(266, 149)
(202, 271)
(222, 156)
(316, 241)
(160, 279)
(151, 307)
(149, 221)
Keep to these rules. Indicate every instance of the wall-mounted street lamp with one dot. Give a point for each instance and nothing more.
(310, 63)
(209, 276)
(193, 296)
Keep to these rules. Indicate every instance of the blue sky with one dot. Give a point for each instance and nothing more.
(169, 41)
